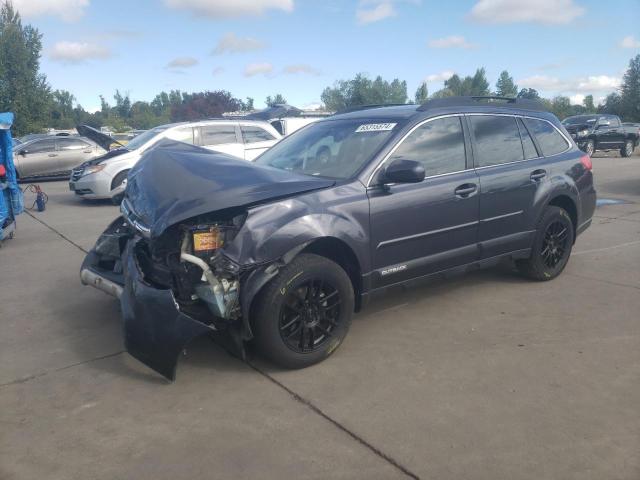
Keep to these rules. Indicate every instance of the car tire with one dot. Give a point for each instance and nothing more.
(303, 314)
(551, 246)
(627, 149)
(590, 147)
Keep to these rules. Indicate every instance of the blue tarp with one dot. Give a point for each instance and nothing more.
(11, 202)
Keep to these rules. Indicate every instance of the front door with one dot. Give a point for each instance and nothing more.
(38, 158)
(73, 152)
(419, 229)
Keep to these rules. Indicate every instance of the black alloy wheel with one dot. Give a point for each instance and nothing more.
(309, 316)
(554, 246)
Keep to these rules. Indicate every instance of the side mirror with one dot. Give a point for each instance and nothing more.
(403, 171)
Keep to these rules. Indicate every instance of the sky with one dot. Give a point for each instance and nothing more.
(255, 48)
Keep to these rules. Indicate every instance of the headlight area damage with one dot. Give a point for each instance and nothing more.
(168, 257)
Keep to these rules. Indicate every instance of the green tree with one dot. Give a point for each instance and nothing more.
(248, 105)
(505, 87)
(422, 94)
(277, 99)
(361, 90)
(23, 89)
(589, 106)
(529, 93)
(561, 107)
(62, 113)
(123, 104)
(630, 91)
(612, 104)
(476, 85)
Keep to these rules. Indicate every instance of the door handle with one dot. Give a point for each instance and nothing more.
(87, 151)
(538, 175)
(465, 190)
(53, 155)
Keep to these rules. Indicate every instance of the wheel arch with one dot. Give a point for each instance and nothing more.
(113, 180)
(566, 203)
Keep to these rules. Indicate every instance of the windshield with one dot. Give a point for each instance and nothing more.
(580, 119)
(143, 138)
(331, 148)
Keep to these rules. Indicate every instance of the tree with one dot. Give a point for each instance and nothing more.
(505, 87)
(248, 105)
(476, 85)
(196, 106)
(589, 106)
(23, 89)
(612, 104)
(123, 105)
(561, 107)
(277, 99)
(62, 114)
(630, 91)
(529, 93)
(361, 90)
(422, 94)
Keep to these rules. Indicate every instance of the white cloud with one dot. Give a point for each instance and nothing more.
(217, 71)
(78, 52)
(439, 77)
(231, 43)
(630, 42)
(257, 69)
(301, 68)
(453, 41)
(182, 62)
(549, 12)
(229, 8)
(375, 13)
(580, 85)
(67, 10)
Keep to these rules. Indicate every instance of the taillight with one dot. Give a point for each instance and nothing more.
(586, 161)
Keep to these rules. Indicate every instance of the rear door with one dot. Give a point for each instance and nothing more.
(38, 158)
(223, 138)
(72, 152)
(511, 171)
(256, 140)
(421, 228)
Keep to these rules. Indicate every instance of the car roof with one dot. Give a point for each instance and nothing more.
(450, 105)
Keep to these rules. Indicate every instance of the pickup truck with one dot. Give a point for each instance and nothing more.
(602, 132)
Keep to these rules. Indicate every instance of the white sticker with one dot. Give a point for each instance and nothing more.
(376, 127)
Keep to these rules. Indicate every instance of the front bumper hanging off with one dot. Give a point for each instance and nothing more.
(155, 330)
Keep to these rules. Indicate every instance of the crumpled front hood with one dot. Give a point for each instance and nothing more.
(175, 181)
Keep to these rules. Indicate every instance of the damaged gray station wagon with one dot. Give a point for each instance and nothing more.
(284, 250)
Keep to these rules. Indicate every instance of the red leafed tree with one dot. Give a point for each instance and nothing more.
(197, 106)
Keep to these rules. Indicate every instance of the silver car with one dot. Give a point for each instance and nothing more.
(52, 156)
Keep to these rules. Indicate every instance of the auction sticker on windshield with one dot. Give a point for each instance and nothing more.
(376, 127)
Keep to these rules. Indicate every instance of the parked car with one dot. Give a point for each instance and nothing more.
(105, 177)
(602, 132)
(284, 250)
(53, 155)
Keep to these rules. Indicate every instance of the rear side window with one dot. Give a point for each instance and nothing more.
(255, 134)
(218, 134)
(71, 144)
(497, 140)
(549, 139)
(438, 145)
(527, 143)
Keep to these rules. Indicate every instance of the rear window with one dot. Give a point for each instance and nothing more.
(549, 139)
(71, 144)
(497, 140)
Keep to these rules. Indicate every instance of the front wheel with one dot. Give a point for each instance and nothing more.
(304, 313)
(627, 150)
(590, 147)
(551, 247)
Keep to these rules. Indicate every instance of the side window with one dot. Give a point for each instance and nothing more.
(438, 145)
(527, 143)
(614, 121)
(255, 134)
(218, 134)
(184, 134)
(497, 140)
(41, 146)
(549, 139)
(67, 144)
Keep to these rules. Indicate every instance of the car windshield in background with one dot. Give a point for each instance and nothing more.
(332, 148)
(579, 120)
(140, 140)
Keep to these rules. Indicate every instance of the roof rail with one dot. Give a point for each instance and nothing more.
(470, 101)
(368, 107)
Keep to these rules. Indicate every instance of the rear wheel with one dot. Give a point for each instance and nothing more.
(627, 149)
(551, 247)
(304, 313)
